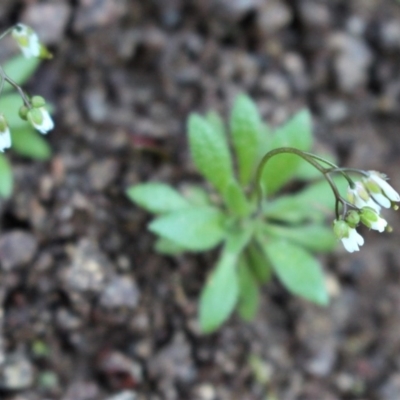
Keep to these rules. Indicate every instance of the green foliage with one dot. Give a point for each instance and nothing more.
(246, 136)
(6, 177)
(194, 228)
(297, 270)
(257, 244)
(25, 140)
(297, 132)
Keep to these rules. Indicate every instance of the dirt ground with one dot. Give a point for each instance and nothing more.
(89, 312)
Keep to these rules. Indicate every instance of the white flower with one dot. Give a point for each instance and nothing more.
(379, 225)
(5, 136)
(389, 194)
(360, 197)
(27, 40)
(40, 119)
(5, 140)
(372, 220)
(353, 241)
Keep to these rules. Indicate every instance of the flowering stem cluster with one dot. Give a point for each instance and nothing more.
(33, 109)
(362, 204)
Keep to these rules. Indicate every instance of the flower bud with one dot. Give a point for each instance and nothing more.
(23, 112)
(35, 116)
(352, 218)
(372, 220)
(340, 229)
(38, 101)
(40, 119)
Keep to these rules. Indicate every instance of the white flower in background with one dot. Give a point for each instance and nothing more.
(359, 196)
(350, 238)
(40, 119)
(5, 136)
(372, 220)
(380, 190)
(27, 40)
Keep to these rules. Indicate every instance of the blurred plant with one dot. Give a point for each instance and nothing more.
(21, 114)
(260, 237)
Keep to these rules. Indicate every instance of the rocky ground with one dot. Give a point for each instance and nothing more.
(88, 311)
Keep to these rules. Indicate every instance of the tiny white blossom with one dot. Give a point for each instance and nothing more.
(27, 40)
(40, 119)
(389, 192)
(372, 220)
(360, 197)
(379, 225)
(5, 140)
(5, 136)
(353, 241)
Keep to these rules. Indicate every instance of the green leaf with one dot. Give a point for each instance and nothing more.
(29, 143)
(210, 152)
(246, 136)
(195, 195)
(6, 177)
(312, 237)
(249, 293)
(168, 248)
(298, 271)
(220, 294)
(236, 200)
(217, 123)
(156, 197)
(259, 264)
(20, 69)
(9, 106)
(291, 209)
(297, 132)
(196, 229)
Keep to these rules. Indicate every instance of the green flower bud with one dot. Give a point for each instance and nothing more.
(341, 229)
(38, 101)
(352, 218)
(35, 116)
(23, 112)
(368, 215)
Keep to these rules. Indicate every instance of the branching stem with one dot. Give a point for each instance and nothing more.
(315, 162)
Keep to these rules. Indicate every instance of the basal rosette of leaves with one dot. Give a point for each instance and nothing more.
(255, 245)
(26, 141)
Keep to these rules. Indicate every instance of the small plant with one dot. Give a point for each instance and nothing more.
(259, 237)
(21, 115)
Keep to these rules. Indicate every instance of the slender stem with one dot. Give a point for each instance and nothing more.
(311, 159)
(322, 160)
(290, 150)
(351, 170)
(6, 32)
(24, 97)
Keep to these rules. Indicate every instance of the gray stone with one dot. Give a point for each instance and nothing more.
(17, 248)
(49, 20)
(16, 373)
(273, 16)
(125, 395)
(121, 291)
(352, 61)
(89, 268)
